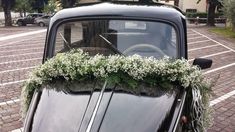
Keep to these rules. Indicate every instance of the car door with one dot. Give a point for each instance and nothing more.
(46, 19)
(28, 19)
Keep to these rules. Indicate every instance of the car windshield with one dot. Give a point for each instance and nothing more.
(127, 37)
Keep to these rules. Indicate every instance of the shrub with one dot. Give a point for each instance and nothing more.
(201, 15)
(229, 10)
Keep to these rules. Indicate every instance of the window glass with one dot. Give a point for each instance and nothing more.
(127, 37)
(135, 25)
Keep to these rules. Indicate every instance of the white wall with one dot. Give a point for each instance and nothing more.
(13, 15)
(170, 2)
(192, 4)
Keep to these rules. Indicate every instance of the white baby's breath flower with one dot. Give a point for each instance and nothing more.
(78, 64)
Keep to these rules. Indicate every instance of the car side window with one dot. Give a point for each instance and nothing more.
(29, 16)
(33, 16)
(45, 17)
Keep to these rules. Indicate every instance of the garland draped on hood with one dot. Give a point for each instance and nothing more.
(123, 70)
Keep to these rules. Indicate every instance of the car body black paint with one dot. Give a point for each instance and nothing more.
(164, 116)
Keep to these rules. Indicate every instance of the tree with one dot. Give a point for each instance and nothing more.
(52, 6)
(7, 5)
(38, 5)
(23, 6)
(211, 11)
(176, 2)
(212, 5)
(68, 3)
(229, 11)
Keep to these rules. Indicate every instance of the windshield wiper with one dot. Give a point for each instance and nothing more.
(110, 45)
(65, 41)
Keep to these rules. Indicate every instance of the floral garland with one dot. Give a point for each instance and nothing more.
(77, 65)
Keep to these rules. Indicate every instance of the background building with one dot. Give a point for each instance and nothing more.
(171, 2)
(192, 6)
(189, 5)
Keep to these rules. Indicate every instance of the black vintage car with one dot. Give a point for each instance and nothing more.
(125, 28)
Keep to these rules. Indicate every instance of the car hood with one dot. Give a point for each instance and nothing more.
(104, 107)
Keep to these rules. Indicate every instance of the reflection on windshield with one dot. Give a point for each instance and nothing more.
(126, 37)
(146, 90)
(59, 112)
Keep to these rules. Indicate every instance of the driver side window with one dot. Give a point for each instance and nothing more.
(29, 16)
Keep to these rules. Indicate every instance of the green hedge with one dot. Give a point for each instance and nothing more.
(201, 15)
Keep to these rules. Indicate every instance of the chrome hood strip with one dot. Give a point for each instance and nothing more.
(96, 108)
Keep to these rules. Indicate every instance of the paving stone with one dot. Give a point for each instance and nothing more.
(224, 116)
(16, 54)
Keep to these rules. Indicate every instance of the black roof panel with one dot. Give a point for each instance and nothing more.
(154, 11)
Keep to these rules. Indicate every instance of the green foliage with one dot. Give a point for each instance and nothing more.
(68, 3)
(201, 15)
(131, 71)
(23, 6)
(52, 7)
(227, 32)
(229, 10)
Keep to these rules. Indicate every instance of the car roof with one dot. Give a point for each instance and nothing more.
(122, 9)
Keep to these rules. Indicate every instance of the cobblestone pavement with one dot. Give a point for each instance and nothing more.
(18, 56)
(202, 43)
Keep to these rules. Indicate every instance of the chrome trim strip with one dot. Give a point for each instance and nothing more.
(180, 112)
(96, 108)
